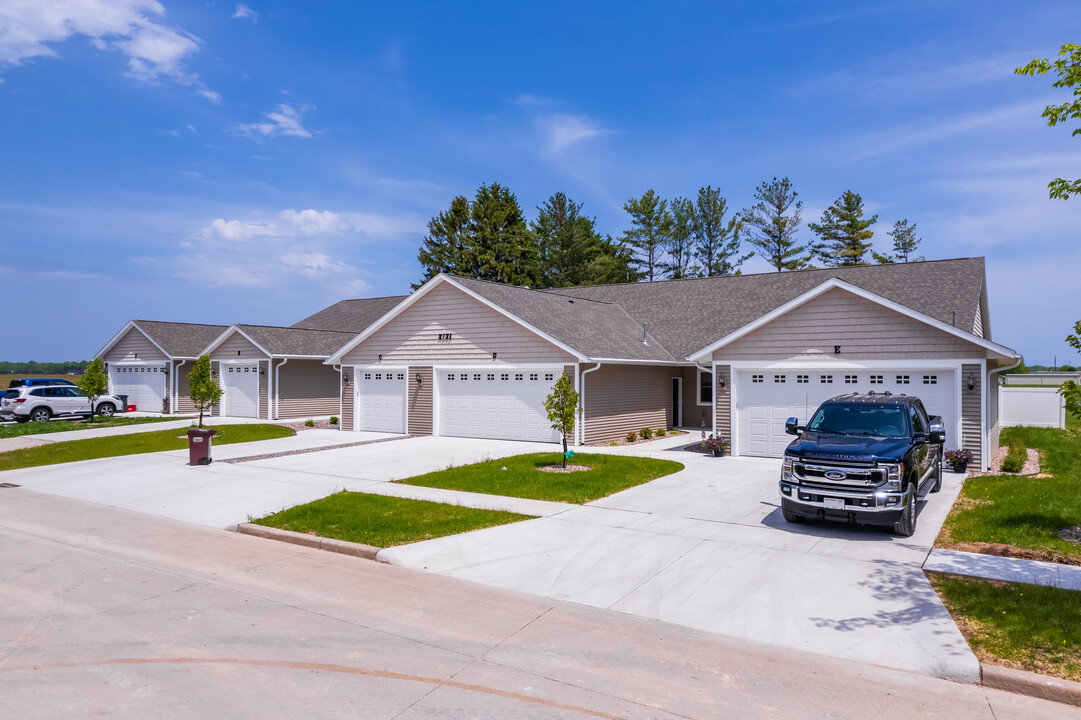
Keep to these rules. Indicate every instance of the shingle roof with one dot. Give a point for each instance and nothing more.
(596, 329)
(687, 315)
(180, 340)
(297, 341)
(352, 316)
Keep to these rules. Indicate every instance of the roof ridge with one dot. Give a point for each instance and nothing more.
(546, 291)
(290, 327)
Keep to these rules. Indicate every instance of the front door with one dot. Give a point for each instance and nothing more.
(677, 402)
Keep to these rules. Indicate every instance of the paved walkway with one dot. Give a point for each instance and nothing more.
(992, 567)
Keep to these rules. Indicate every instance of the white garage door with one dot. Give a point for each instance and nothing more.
(497, 404)
(380, 400)
(766, 398)
(143, 384)
(240, 386)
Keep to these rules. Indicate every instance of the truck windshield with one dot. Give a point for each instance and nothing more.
(869, 420)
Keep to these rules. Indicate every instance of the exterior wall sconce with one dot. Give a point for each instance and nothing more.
(237, 352)
(262, 370)
(419, 379)
(720, 380)
(971, 381)
(494, 355)
(380, 358)
(345, 379)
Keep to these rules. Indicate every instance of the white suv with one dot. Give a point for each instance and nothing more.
(43, 403)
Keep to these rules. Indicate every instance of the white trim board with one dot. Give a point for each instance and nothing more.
(229, 331)
(116, 338)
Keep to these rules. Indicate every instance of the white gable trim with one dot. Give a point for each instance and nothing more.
(124, 331)
(435, 282)
(225, 336)
(841, 284)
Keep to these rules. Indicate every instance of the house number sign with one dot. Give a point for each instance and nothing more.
(444, 336)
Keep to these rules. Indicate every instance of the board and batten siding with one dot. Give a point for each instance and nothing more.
(723, 402)
(134, 347)
(624, 398)
(349, 394)
(307, 388)
(420, 400)
(237, 347)
(971, 412)
(475, 331)
(864, 330)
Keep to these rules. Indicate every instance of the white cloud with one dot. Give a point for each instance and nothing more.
(285, 120)
(243, 11)
(566, 130)
(155, 51)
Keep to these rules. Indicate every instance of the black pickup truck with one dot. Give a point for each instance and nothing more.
(863, 458)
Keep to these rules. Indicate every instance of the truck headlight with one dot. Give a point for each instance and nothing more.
(786, 469)
(893, 476)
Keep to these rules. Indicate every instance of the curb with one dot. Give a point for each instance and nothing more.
(1032, 684)
(367, 552)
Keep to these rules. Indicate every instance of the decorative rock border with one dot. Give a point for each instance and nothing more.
(302, 451)
(367, 552)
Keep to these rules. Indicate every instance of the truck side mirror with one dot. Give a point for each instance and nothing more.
(791, 426)
(938, 432)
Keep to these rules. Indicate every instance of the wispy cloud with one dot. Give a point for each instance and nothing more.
(284, 120)
(155, 51)
(245, 12)
(564, 131)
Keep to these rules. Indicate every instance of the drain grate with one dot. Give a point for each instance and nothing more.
(7, 485)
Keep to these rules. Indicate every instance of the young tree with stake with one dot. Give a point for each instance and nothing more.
(203, 389)
(93, 383)
(562, 407)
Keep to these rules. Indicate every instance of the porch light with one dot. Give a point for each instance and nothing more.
(971, 381)
(380, 358)
(720, 380)
(419, 379)
(345, 379)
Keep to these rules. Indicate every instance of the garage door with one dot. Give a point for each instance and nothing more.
(240, 386)
(766, 398)
(380, 400)
(497, 404)
(143, 384)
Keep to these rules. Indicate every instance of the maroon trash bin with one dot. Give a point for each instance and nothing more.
(199, 446)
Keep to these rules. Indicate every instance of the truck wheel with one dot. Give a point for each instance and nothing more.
(937, 475)
(906, 526)
(791, 516)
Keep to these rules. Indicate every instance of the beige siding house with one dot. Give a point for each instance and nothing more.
(732, 355)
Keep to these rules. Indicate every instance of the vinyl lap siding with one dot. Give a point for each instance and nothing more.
(693, 413)
(237, 347)
(420, 400)
(622, 398)
(864, 330)
(977, 326)
(993, 425)
(134, 347)
(308, 388)
(724, 402)
(215, 375)
(970, 411)
(183, 396)
(476, 331)
(264, 391)
(348, 398)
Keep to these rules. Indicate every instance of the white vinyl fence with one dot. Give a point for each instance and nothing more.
(1034, 407)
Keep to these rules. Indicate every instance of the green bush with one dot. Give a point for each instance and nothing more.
(646, 433)
(661, 432)
(632, 436)
(1016, 457)
(613, 444)
(333, 419)
(309, 423)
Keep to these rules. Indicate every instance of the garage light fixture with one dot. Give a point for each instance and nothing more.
(345, 379)
(720, 380)
(380, 358)
(419, 379)
(971, 381)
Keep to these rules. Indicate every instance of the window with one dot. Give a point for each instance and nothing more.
(902, 379)
(705, 388)
(549, 377)
(379, 376)
(779, 378)
(450, 376)
(851, 379)
(917, 422)
(532, 376)
(476, 376)
(825, 379)
(876, 379)
(518, 376)
(803, 379)
(757, 378)
(401, 376)
(930, 379)
(504, 376)
(491, 376)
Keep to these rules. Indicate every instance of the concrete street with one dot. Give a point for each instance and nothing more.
(107, 612)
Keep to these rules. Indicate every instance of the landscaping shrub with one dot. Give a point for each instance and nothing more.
(661, 432)
(1016, 457)
(309, 423)
(333, 419)
(632, 436)
(646, 433)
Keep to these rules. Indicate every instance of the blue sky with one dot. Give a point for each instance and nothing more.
(221, 162)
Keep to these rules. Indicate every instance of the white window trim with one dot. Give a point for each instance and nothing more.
(712, 388)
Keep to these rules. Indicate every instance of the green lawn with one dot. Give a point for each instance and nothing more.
(54, 426)
(1031, 627)
(521, 478)
(1024, 512)
(384, 521)
(133, 444)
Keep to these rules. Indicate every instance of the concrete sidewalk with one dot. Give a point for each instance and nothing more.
(993, 567)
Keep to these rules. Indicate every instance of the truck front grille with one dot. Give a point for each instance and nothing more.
(817, 475)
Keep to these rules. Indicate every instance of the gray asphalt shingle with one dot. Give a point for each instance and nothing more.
(297, 341)
(180, 340)
(353, 316)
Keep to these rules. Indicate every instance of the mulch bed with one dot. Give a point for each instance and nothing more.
(561, 469)
(639, 441)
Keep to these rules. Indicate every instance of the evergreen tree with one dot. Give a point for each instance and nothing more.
(650, 227)
(772, 223)
(444, 248)
(905, 241)
(571, 250)
(843, 233)
(716, 245)
(680, 242)
(503, 249)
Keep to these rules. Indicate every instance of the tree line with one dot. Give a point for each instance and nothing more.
(31, 367)
(489, 238)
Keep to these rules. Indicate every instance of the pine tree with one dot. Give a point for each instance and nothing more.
(716, 245)
(651, 224)
(503, 249)
(843, 233)
(905, 241)
(444, 248)
(571, 251)
(680, 242)
(772, 224)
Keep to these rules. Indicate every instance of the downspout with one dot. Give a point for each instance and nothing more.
(277, 389)
(987, 404)
(582, 394)
(176, 388)
(341, 396)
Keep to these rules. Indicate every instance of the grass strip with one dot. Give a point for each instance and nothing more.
(1029, 627)
(54, 426)
(384, 521)
(133, 444)
(1024, 512)
(520, 477)
(1015, 459)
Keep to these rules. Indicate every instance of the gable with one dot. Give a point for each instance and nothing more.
(475, 330)
(236, 347)
(864, 329)
(133, 345)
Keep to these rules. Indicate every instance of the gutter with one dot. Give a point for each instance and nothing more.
(582, 399)
(175, 405)
(277, 388)
(991, 382)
